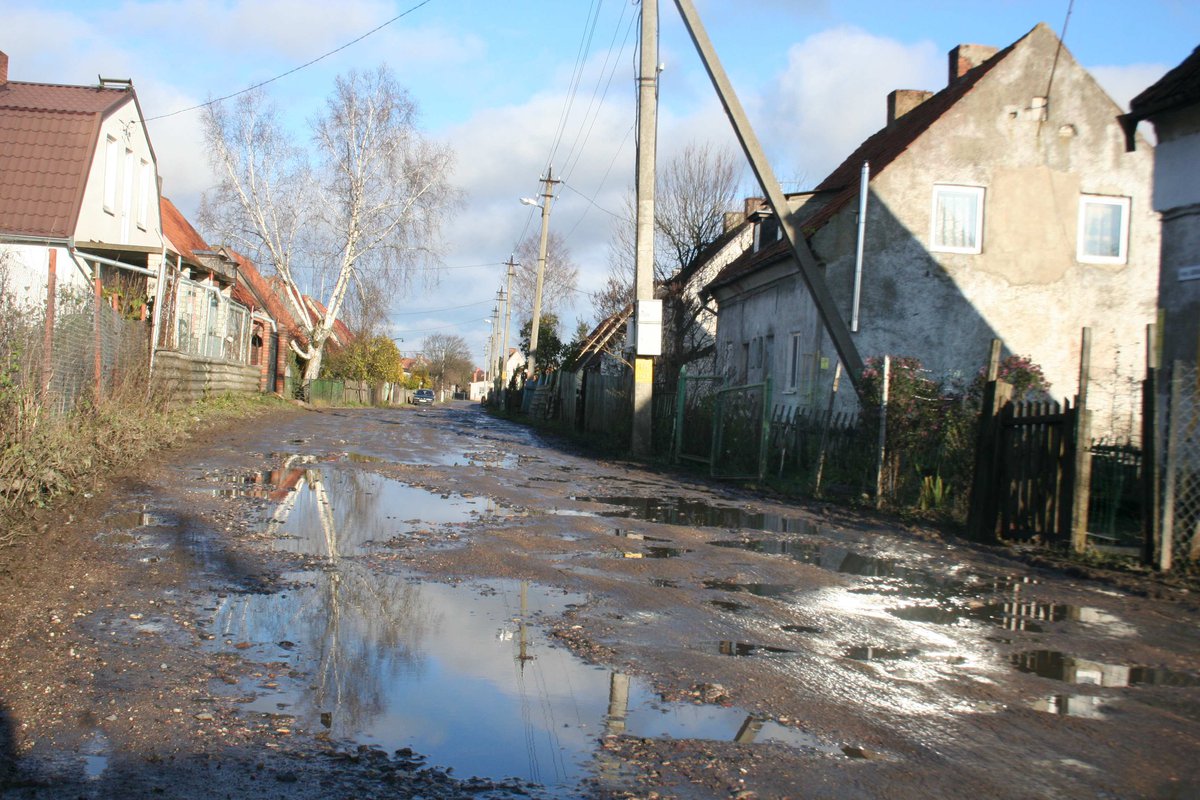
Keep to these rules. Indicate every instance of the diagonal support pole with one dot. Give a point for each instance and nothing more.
(835, 326)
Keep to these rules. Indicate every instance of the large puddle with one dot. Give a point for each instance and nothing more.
(463, 675)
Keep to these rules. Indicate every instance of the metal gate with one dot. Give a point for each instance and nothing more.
(741, 430)
(696, 402)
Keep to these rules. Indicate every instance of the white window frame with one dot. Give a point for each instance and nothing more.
(945, 188)
(112, 173)
(1086, 200)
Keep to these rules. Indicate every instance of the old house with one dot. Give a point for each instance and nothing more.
(79, 203)
(1003, 206)
(1173, 105)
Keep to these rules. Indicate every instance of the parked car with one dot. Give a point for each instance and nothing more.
(423, 397)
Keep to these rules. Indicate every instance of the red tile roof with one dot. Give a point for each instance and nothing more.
(881, 149)
(264, 291)
(48, 136)
(181, 236)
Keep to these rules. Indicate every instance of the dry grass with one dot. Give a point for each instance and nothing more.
(46, 458)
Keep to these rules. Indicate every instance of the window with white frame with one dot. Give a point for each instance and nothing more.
(794, 366)
(1103, 236)
(112, 170)
(957, 219)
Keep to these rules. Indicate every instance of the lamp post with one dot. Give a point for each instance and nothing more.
(547, 199)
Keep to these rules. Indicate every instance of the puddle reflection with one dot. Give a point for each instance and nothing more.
(325, 510)
(1062, 667)
(697, 513)
(1072, 705)
(756, 589)
(461, 675)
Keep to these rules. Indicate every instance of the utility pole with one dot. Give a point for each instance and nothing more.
(547, 197)
(496, 333)
(649, 311)
(504, 355)
(810, 271)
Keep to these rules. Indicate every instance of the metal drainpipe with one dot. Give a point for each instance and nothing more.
(862, 237)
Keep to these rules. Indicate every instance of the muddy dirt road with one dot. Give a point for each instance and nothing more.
(434, 603)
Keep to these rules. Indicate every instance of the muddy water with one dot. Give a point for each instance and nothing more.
(464, 675)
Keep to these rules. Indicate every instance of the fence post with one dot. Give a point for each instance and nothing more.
(837, 376)
(1167, 536)
(97, 332)
(48, 340)
(766, 429)
(1081, 490)
(981, 515)
(680, 404)
(883, 406)
(1150, 470)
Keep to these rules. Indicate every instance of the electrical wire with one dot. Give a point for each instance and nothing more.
(447, 308)
(294, 69)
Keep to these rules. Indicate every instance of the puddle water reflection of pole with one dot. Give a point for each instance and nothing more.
(749, 730)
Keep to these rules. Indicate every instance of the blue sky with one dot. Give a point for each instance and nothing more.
(493, 78)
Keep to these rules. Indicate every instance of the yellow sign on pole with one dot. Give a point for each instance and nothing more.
(643, 370)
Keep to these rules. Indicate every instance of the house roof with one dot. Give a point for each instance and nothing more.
(261, 289)
(181, 236)
(1178, 88)
(595, 343)
(880, 149)
(341, 332)
(48, 135)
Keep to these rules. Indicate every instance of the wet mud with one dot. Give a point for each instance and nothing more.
(437, 603)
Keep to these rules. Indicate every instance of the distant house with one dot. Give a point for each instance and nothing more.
(79, 196)
(1173, 105)
(996, 209)
(689, 318)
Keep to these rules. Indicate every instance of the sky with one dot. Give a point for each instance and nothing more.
(516, 85)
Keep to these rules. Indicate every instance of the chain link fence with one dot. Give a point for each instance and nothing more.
(1179, 455)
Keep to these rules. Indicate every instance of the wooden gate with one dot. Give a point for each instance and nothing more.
(1031, 477)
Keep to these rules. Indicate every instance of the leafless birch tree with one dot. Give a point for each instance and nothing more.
(364, 205)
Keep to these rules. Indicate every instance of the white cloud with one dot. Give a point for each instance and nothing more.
(833, 95)
(1124, 83)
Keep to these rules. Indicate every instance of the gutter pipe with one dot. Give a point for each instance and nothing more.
(862, 237)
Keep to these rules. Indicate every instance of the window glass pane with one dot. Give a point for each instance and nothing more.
(112, 154)
(1102, 230)
(956, 220)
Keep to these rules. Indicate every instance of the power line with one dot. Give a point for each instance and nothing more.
(593, 202)
(438, 310)
(294, 69)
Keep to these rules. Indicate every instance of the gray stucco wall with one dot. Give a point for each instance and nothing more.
(1026, 287)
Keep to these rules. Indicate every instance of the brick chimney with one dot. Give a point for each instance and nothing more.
(966, 57)
(902, 101)
(3, 67)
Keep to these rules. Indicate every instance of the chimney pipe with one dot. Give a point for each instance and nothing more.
(902, 101)
(3, 67)
(965, 57)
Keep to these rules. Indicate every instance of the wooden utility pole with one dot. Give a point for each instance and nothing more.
(548, 183)
(1082, 470)
(649, 311)
(507, 314)
(814, 279)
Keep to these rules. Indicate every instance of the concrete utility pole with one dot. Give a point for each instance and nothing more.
(496, 314)
(547, 198)
(649, 311)
(835, 326)
(504, 355)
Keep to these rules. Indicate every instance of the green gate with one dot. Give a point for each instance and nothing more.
(741, 430)
(695, 403)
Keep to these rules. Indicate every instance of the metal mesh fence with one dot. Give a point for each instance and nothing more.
(80, 352)
(1180, 449)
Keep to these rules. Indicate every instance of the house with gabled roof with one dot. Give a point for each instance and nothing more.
(1003, 206)
(1172, 104)
(79, 195)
